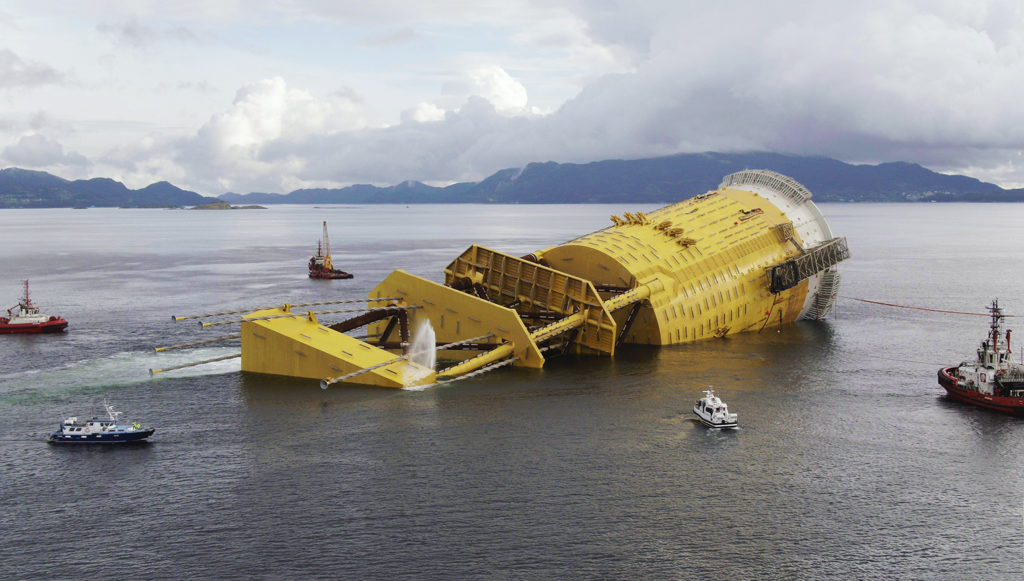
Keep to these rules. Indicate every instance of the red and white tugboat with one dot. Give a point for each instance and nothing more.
(320, 265)
(26, 318)
(993, 380)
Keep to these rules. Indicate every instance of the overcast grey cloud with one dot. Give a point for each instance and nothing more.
(135, 34)
(15, 72)
(38, 150)
(307, 93)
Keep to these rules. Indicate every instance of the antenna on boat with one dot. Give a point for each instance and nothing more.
(28, 301)
(110, 410)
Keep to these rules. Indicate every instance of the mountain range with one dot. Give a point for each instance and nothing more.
(661, 179)
(22, 188)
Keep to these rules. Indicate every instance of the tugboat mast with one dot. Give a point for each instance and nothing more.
(28, 301)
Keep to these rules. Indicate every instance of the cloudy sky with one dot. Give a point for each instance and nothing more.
(229, 95)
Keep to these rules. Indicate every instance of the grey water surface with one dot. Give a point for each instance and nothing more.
(850, 462)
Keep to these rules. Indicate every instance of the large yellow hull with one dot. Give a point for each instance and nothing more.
(753, 253)
(708, 257)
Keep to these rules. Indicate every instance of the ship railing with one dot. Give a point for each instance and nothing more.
(825, 297)
(784, 185)
(826, 255)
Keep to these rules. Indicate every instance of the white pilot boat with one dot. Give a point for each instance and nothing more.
(713, 412)
(99, 431)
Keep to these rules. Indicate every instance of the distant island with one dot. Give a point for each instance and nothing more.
(653, 180)
(226, 206)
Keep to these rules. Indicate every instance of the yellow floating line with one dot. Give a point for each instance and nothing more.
(220, 314)
(482, 370)
(286, 315)
(479, 361)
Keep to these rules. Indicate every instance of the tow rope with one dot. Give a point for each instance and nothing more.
(921, 308)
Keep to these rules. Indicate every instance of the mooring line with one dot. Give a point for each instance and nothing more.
(921, 308)
(476, 372)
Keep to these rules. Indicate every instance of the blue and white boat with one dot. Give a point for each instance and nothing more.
(99, 431)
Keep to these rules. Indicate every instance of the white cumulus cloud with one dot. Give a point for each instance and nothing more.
(269, 110)
(497, 86)
(227, 152)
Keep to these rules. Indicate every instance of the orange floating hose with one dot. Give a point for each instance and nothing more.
(922, 308)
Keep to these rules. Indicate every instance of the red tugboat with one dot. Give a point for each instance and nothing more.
(993, 380)
(320, 265)
(26, 318)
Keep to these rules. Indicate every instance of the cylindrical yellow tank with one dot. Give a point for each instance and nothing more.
(708, 260)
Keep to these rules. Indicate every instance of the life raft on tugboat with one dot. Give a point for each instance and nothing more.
(992, 380)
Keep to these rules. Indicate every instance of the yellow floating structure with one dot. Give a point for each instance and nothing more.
(752, 253)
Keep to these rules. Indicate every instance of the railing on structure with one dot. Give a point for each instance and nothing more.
(508, 280)
(784, 185)
(825, 298)
(788, 274)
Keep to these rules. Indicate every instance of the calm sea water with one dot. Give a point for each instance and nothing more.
(850, 462)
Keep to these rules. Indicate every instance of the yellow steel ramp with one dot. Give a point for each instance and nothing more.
(278, 342)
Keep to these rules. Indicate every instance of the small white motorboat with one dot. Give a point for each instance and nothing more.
(713, 412)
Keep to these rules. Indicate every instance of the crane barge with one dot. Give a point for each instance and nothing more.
(754, 251)
(320, 265)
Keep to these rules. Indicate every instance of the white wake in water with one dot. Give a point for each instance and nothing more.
(116, 370)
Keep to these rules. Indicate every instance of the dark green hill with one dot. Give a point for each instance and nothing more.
(666, 179)
(22, 188)
(675, 177)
